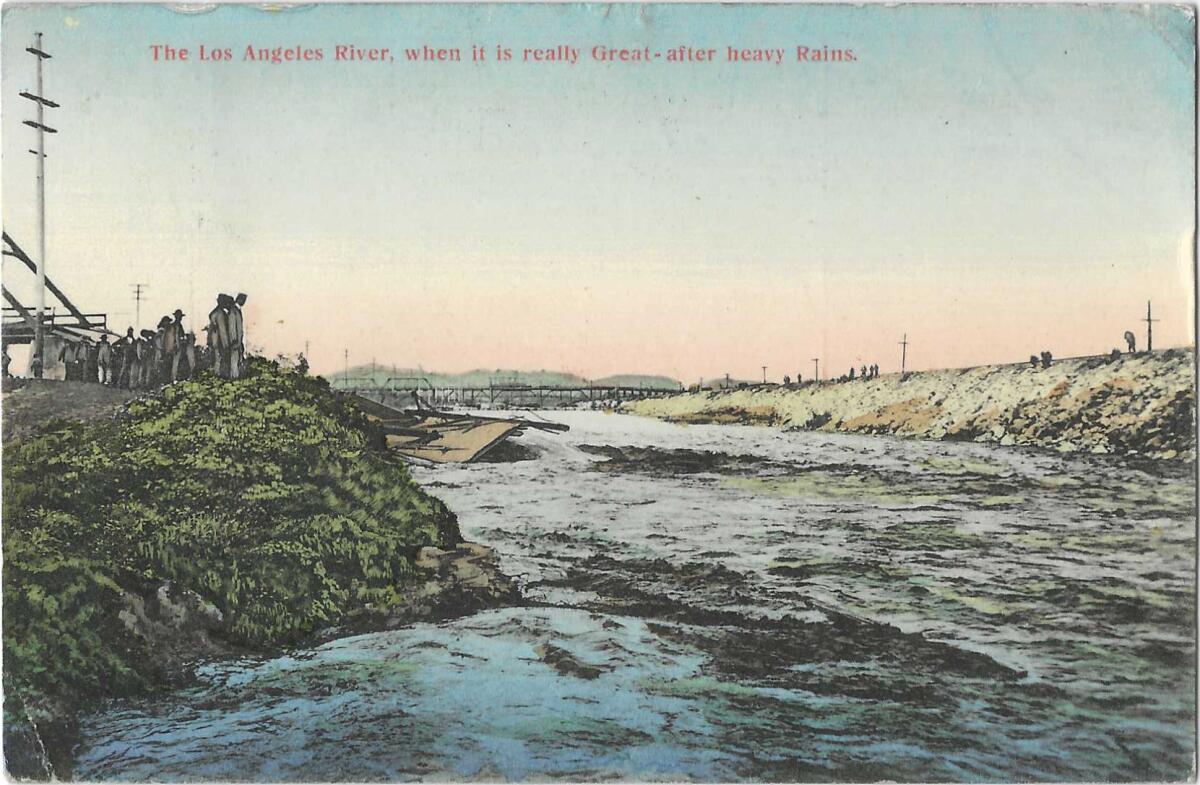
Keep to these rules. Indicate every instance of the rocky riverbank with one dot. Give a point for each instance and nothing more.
(1133, 405)
(179, 630)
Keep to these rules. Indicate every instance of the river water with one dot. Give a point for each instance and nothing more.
(740, 603)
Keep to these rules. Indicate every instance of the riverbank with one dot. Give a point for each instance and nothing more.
(1134, 405)
(207, 520)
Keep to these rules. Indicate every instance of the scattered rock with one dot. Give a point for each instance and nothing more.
(564, 662)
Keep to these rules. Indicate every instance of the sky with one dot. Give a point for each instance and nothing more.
(989, 181)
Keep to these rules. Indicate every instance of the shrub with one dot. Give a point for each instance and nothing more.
(269, 496)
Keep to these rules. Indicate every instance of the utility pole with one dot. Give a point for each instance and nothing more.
(42, 103)
(726, 381)
(903, 353)
(1149, 329)
(306, 348)
(138, 288)
(346, 371)
(816, 369)
(764, 374)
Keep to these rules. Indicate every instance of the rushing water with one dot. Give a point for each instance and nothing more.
(740, 603)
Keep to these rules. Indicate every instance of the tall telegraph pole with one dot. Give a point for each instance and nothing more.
(1149, 329)
(903, 353)
(816, 369)
(39, 125)
(138, 290)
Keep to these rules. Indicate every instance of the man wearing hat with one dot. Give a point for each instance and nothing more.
(218, 334)
(163, 354)
(87, 354)
(146, 358)
(124, 354)
(104, 358)
(173, 345)
(237, 337)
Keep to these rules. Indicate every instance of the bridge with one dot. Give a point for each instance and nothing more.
(398, 391)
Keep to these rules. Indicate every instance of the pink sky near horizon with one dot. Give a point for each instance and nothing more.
(990, 181)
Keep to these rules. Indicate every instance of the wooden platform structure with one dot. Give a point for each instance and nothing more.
(20, 323)
(444, 437)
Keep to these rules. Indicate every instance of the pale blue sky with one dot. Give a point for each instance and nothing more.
(992, 180)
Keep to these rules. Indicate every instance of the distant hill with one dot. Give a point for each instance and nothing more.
(376, 376)
(639, 380)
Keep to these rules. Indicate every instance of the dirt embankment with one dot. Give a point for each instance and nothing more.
(30, 403)
(1140, 405)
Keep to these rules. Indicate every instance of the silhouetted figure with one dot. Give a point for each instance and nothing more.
(1033, 361)
(1047, 358)
(121, 349)
(91, 367)
(174, 347)
(146, 358)
(104, 360)
(237, 338)
(188, 350)
(1131, 341)
(218, 335)
(66, 356)
(1114, 355)
(851, 375)
(786, 380)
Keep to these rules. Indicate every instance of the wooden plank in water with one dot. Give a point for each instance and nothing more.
(454, 443)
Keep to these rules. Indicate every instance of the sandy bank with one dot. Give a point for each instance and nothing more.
(1138, 405)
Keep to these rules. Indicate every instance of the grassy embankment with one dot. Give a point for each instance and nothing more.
(1135, 405)
(268, 497)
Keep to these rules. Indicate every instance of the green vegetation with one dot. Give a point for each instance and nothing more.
(268, 496)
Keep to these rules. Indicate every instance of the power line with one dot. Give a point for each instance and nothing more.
(138, 290)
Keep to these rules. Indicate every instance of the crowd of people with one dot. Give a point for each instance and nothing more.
(865, 372)
(170, 353)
